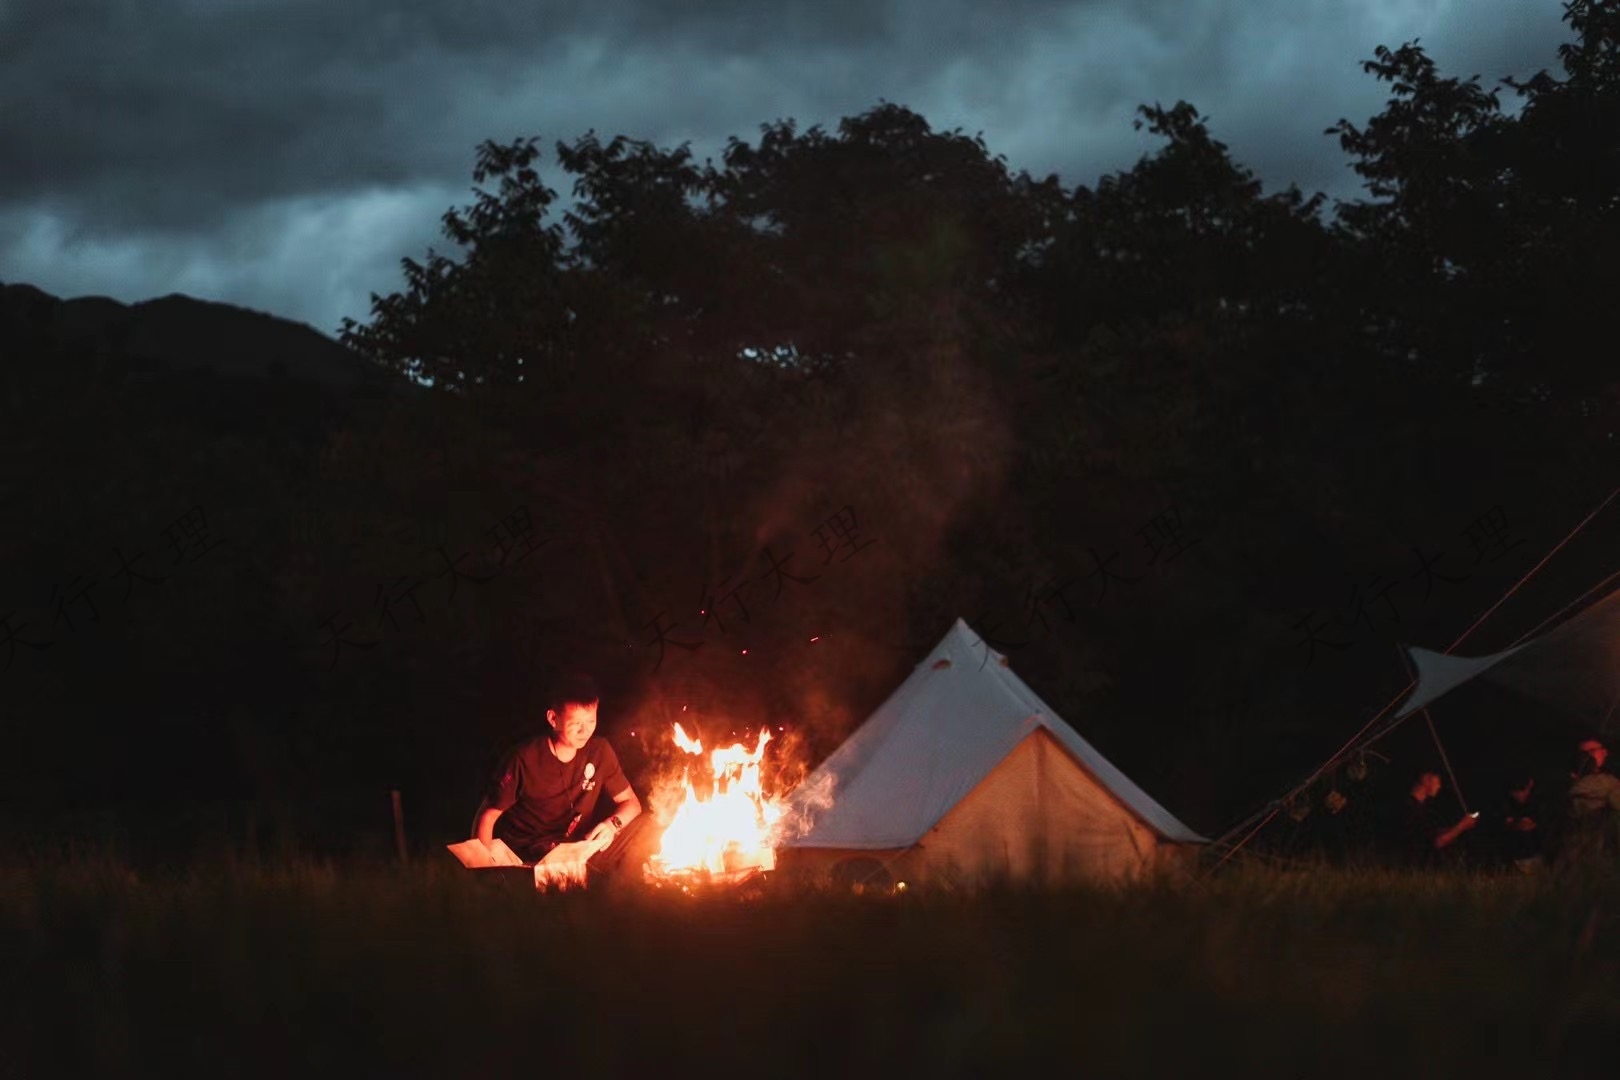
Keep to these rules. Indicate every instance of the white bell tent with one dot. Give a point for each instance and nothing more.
(965, 775)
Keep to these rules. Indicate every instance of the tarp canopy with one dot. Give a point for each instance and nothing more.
(1574, 666)
(966, 755)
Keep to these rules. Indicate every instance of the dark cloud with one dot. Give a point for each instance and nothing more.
(286, 153)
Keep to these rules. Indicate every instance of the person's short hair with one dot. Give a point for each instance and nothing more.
(572, 688)
(1587, 750)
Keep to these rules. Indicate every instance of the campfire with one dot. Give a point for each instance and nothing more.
(723, 823)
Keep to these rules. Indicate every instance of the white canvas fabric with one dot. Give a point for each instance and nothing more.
(1575, 665)
(955, 719)
(1439, 674)
(1036, 816)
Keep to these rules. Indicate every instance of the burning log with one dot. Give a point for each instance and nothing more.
(705, 878)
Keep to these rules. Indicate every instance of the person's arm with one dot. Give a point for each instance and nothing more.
(498, 797)
(1446, 837)
(626, 807)
(484, 823)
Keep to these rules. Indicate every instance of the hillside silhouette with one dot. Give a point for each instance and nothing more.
(181, 334)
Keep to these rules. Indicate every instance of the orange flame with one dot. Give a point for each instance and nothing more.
(686, 742)
(732, 827)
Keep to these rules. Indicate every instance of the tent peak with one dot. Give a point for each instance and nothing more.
(937, 737)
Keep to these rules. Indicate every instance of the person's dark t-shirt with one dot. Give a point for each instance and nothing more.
(1516, 843)
(544, 801)
(1409, 828)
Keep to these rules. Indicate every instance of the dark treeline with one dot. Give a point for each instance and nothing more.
(1149, 436)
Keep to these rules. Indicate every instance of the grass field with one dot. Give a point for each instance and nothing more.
(299, 969)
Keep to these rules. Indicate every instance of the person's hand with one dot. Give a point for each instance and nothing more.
(604, 832)
(1468, 822)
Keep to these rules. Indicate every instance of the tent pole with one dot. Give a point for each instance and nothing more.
(1446, 761)
(1273, 807)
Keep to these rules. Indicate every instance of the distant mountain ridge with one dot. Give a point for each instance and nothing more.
(180, 333)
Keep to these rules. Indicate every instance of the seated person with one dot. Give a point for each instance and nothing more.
(547, 787)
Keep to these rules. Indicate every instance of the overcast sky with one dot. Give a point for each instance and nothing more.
(286, 154)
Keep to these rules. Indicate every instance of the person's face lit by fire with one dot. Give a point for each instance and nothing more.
(1426, 786)
(1596, 751)
(575, 725)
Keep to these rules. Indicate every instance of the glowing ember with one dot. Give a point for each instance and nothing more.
(731, 828)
